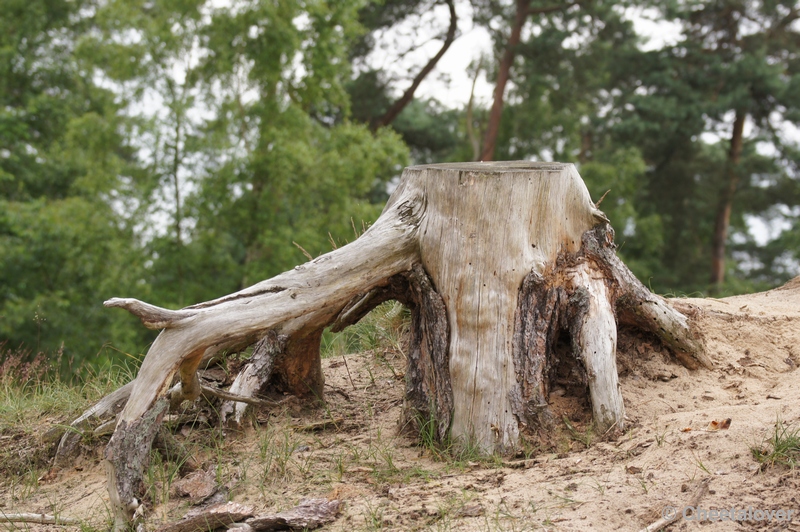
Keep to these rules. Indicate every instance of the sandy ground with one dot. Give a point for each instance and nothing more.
(389, 482)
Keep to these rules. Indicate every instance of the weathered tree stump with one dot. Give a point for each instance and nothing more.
(495, 260)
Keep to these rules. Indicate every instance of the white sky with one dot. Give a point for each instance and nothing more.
(450, 82)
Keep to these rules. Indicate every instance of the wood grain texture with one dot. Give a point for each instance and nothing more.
(487, 226)
(308, 515)
(594, 335)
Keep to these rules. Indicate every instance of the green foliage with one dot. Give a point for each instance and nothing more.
(61, 258)
(248, 149)
(64, 174)
(781, 448)
(584, 91)
(430, 130)
(719, 69)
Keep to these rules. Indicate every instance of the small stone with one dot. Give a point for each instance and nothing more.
(471, 510)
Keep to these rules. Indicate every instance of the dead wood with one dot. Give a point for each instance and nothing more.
(253, 378)
(309, 514)
(39, 519)
(109, 406)
(496, 261)
(677, 512)
(219, 516)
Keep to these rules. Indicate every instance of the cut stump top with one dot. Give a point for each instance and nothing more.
(494, 167)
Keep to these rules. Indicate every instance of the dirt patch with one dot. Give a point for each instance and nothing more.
(389, 481)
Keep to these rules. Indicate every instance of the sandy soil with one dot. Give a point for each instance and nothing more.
(389, 482)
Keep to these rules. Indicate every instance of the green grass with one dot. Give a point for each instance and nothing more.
(781, 448)
(276, 446)
(585, 437)
(34, 386)
(36, 406)
(159, 477)
(381, 329)
(20, 401)
(460, 453)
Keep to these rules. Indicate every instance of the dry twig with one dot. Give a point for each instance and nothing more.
(699, 493)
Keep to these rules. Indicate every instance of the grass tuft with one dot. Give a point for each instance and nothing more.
(36, 405)
(781, 448)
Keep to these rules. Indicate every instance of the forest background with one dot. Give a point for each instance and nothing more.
(179, 150)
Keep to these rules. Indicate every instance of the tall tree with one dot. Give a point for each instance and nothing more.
(295, 167)
(150, 52)
(732, 72)
(397, 107)
(251, 149)
(568, 84)
(748, 46)
(509, 42)
(372, 88)
(66, 172)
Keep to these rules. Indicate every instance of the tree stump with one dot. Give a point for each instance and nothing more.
(495, 260)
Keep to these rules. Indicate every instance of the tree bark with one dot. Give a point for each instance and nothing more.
(308, 515)
(725, 204)
(214, 518)
(495, 261)
(429, 394)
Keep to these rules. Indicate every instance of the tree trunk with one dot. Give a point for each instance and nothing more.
(398, 106)
(522, 12)
(725, 204)
(495, 261)
(503, 73)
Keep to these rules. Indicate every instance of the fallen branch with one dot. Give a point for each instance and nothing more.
(219, 516)
(39, 519)
(699, 493)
